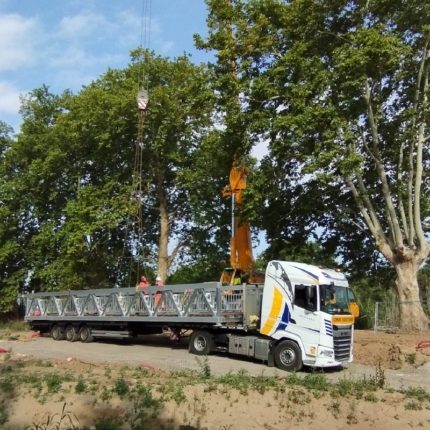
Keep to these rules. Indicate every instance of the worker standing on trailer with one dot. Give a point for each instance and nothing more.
(143, 285)
(159, 283)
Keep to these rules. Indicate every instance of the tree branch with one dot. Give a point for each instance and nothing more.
(423, 245)
(400, 197)
(378, 234)
(386, 192)
(175, 252)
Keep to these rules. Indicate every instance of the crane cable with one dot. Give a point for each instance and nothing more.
(137, 192)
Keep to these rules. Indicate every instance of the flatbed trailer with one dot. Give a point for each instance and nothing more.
(284, 321)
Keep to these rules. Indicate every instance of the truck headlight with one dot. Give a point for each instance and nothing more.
(326, 353)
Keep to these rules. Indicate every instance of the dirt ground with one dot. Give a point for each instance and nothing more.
(391, 350)
(211, 404)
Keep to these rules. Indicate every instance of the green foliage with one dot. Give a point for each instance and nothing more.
(336, 90)
(417, 393)
(121, 387)
(205, 369)
(53, 382)
(66, 179)
(81, 386)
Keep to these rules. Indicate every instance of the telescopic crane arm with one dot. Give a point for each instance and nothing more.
(241, 257)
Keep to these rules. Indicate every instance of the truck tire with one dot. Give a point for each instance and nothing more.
(57, 332)
(71, 333)
(85, 334)
(288, 356)
(201, 343)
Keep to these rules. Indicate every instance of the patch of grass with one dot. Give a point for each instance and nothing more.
(14, 325)
(4, 416)
(357, 388)
(121, 387)
(240, 381)
(145, 408)
(413, 405)
(174, 390)
(262, 383)
(417, 393)
(8, 384)
(43, 363)
(53, 382)
(316, 381)
(80, 386)
(370, 397)
(411, 358)
(106, 395)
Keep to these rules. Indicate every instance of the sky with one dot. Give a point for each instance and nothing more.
(66, 44)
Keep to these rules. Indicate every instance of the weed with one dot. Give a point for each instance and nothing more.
(205, 370)
(178, 394)
(417, 393)
(43, 363)
(145, 407)
(293, 379)
(261, 383)
(8, 384)
(315, 381)
(211, 387)
(413, 405)
(58, 421)
(14, 325)
(121, 387)
(240, 381)
(53, 382)
(379, 378)
(3, 414)
(370, 397)
(347, 387)
(80, 386)
(106, 425)
(411, 358)
(351, 418)
(106, 395)
(335, 408)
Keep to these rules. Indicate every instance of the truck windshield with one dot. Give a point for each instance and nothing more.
(335, 299)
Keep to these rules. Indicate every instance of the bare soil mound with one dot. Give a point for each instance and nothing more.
(391, 350)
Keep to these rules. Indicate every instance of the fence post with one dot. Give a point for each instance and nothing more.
(375, 324)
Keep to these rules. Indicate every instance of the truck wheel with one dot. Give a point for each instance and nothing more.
(288, 356)
(85, 334)
(57, 332)
(201, 343)
(71, 333)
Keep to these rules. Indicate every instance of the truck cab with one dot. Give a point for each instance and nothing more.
(305, 308)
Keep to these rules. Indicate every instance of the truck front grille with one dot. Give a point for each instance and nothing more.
(342, 342)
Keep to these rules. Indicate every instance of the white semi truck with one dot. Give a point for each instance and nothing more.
(299, 316)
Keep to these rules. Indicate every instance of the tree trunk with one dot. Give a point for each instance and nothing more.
(412, 315)
(163, 242)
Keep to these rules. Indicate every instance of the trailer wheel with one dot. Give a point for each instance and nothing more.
(85, 334)
(57, 332)
(71, 333)
(288, 356)
(201, 343)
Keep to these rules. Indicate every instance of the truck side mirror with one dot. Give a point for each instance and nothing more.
(310, 295)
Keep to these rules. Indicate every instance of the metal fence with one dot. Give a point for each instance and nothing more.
(387, 313)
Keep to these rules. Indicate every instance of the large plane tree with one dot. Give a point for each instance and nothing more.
(340, 92)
